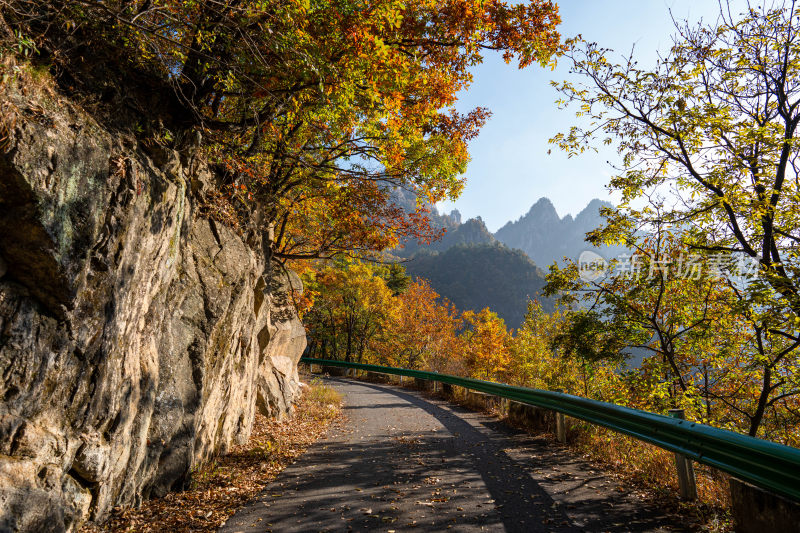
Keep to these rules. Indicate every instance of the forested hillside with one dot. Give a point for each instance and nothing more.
(483, 275)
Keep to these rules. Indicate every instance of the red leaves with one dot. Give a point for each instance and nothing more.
(311, 108)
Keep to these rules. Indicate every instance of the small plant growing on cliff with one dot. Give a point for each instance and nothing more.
(24, 46)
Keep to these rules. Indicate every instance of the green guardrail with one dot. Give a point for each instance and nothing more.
(766, 464)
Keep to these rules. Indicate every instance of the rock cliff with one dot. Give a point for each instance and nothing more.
(137, 339)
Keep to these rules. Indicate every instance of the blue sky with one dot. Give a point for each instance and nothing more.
(510, 167)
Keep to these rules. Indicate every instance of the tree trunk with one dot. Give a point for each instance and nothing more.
(755, 420)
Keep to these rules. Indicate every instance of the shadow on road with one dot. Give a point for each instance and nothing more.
(520, 501)
(406, 462)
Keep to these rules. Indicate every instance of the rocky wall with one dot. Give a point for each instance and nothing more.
(137, 339)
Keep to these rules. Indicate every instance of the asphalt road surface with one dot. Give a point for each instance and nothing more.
(405, 462)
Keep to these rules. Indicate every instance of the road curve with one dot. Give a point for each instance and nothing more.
(407, 462)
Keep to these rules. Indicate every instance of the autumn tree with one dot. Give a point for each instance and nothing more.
(485, 338)
(650, 300)
(708, 348)
(352, 304)
(424, 334)
(713, 127)
(534, 361)
(708, 136)
(311, 110)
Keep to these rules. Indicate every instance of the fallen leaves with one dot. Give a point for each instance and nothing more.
(226, 483)
(409, 441)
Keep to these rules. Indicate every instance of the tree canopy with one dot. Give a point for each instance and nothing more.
(313, 109)
(710, 132)
(708, 139)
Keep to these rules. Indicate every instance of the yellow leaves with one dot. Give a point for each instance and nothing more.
(303, 5)
(485, 344)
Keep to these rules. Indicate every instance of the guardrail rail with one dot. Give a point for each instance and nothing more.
(763, 463)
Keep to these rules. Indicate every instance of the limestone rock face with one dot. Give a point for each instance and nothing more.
(136, 338)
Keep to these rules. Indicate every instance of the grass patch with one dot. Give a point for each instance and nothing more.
(323, 396)
(221, 486)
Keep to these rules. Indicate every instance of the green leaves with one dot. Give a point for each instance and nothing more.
(587, 336)
(711, 130)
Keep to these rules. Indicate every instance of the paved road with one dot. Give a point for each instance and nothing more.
(404, 461)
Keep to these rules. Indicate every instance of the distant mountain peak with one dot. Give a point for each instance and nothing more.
(546, 237)
(592, 211)
(595, 204)
(542, 211)
(544, 201)
(543, 206)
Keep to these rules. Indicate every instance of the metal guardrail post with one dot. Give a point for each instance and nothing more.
(561, 424)
(686, 479)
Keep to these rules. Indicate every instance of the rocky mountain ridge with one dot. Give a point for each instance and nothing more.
(541, 233)
(474, 268)
(546, 237)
